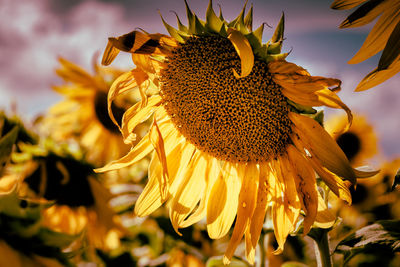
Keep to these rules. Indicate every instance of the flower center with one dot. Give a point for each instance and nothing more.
(63, 180)
(100, 107)
(236, 120)
(350, 144)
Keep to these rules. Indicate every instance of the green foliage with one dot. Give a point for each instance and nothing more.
(380, 236)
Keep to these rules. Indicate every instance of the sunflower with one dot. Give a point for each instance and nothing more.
(83, 113)
(80, 200)
(229, 133)
(383, 36)
(359, 143)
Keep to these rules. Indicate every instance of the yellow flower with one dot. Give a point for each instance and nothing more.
(83, 113)
(227, 134)
(80, 200)
(359, 143)
(385, 35)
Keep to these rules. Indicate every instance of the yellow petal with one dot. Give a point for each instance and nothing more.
(143, 62)
(377, 77)
(380, 33)
(71, 72)
(190, 190)
(325, 218)
(322, 145)
(122, 84)
(246, 207)
(150, 198)
(306, 186)
(212, 175)
(136, 115)
(223, 202)
(284, 67)
(330, 99)
(346, 4)
(257, 221)
(244, 50)
(334, 182)
(177, 157)
(365, 14)
(286, 209)
(157, 141)
(141, 149)
(110, 53)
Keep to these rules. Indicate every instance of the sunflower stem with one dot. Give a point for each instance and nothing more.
(322, 252)
(262, 249)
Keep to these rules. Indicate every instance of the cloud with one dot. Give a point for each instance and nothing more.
(34, 37)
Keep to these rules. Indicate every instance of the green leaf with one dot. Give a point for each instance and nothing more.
(301, 108)
(380, 235)
(293, 264)
(56, 239)
(6, 145)
(391, 50)
(216, 261)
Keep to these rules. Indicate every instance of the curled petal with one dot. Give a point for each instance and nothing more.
(322, 145)
(244, 50)
(306, 186)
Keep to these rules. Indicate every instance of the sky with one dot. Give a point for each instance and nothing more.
(34, 33)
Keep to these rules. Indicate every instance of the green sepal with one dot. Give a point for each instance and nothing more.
(181, 27)
(213, 23)
(275, 48)
(189, 13)
(302, 109)
(221, 17)
(279, 30)
(277, 57)
(196, 27)
(319, 117)
(239, 18)
(248, 20)
(262, 51)
(223, 32)
(172, 31)
(194, 24)
(253, 40)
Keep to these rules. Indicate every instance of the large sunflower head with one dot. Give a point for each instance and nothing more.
(232, 134)
(83, 116)
(359, 142)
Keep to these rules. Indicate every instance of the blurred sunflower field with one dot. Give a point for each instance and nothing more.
(205, 136)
